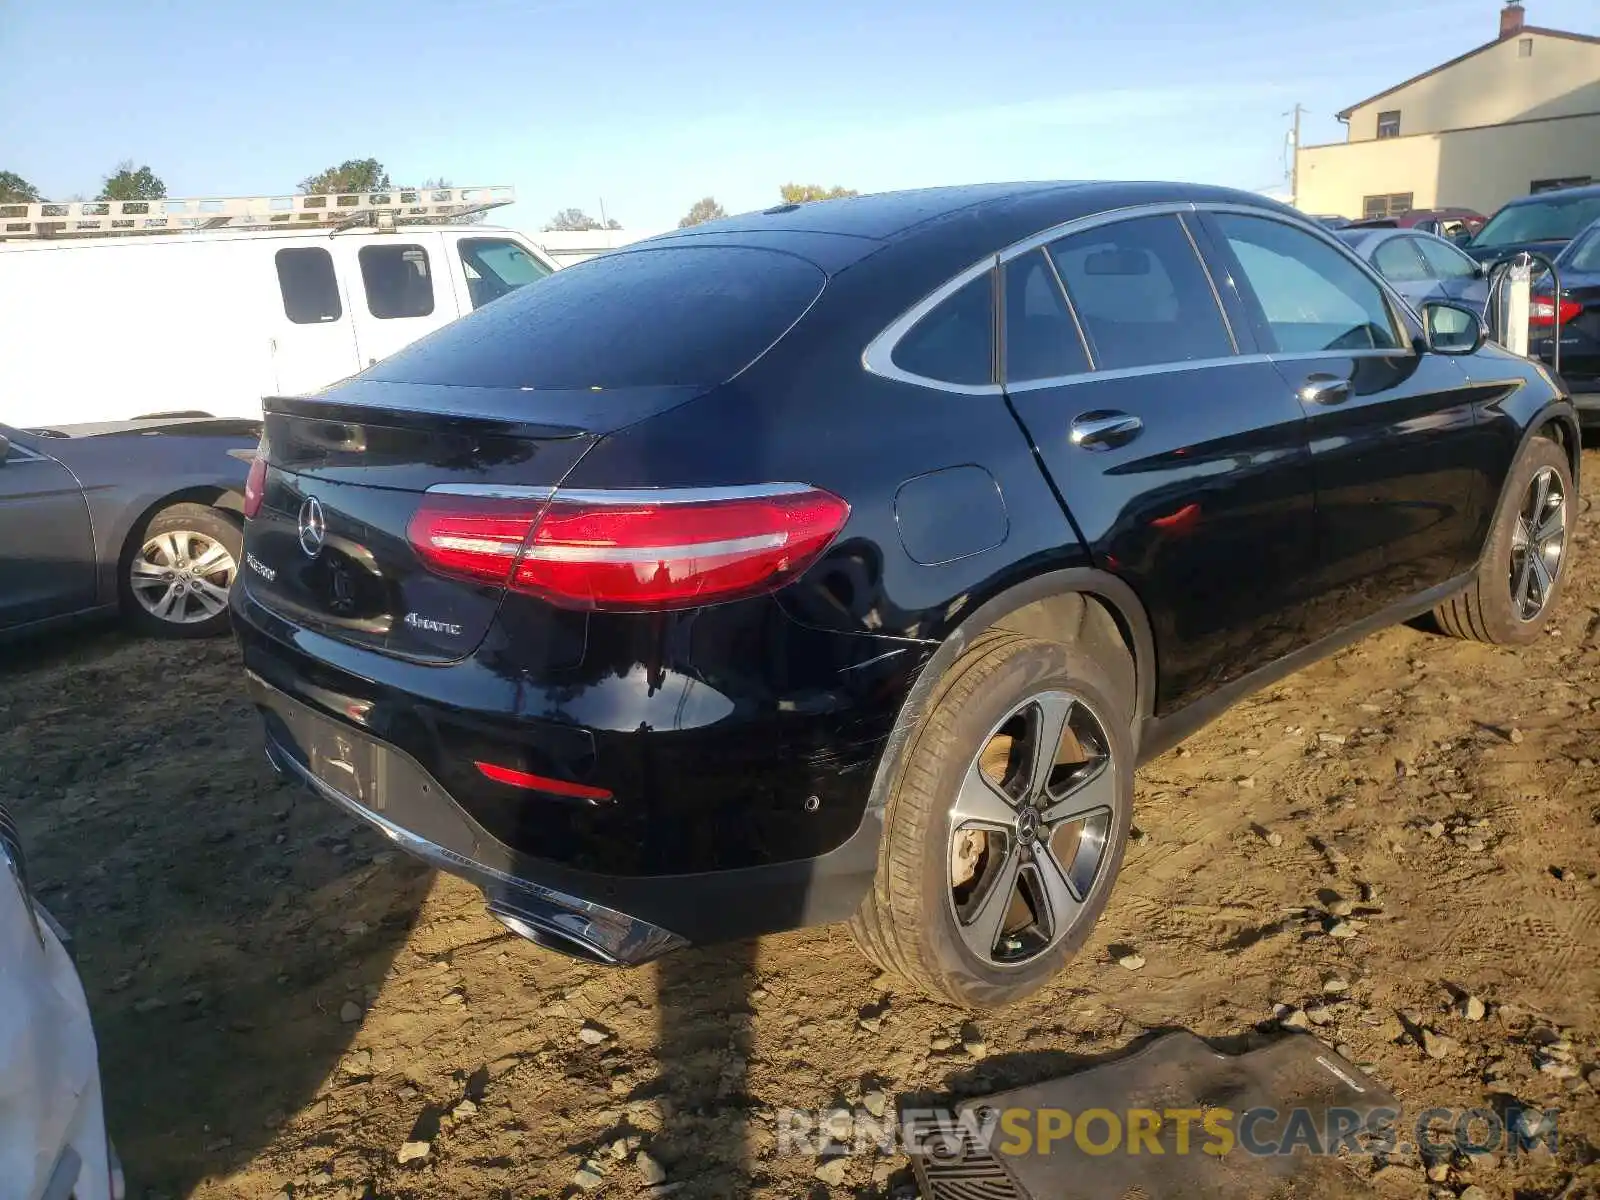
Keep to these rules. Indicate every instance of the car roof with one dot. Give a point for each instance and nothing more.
(1582, 192)
(846, 229)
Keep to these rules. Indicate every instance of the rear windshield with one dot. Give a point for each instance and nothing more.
(680, 315)
(1547, 219)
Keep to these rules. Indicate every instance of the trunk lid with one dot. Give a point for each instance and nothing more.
(328, 548)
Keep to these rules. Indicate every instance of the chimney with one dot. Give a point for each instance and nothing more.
(1511, 20)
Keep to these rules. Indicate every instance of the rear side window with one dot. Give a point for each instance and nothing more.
(955, 342)
(495, 267)
(676, 315)
(1141, 294)
(308, 286)
(1042, 340)
(1446, 262)
(1398, 262)
(397, 281)
(1311, 296)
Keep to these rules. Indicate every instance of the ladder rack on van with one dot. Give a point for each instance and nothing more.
(381, 209)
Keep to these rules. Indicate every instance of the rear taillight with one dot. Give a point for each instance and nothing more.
(255, 485)
(1543, 312)
(631, 550)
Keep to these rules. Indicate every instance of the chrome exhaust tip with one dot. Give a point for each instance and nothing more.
(549, 936)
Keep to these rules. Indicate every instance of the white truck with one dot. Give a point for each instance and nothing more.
(116, 310)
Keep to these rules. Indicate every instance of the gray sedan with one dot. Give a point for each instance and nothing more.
(1421, 266)
(140, 518)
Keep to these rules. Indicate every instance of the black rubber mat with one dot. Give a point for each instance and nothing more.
(1296, 1077)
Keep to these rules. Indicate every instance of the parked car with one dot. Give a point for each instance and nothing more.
(1421, 267)
(139, 518)
(1453, 224)
(204, 323)
(842, 561)
(1578, 267)
(53, 1142)
(1543, 222)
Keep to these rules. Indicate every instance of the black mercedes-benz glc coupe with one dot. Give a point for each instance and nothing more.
(841, 561)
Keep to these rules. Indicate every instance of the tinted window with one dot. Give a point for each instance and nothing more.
(1042, 339)
(306, 281)
(397, 281)
(494, 266)
(1397, 260)
(1311, 296)
(1583, 254)
(1141, 294)
(661, 316)
(954, 342)
(1446, 262)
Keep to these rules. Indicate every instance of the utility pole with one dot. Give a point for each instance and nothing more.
(1294, 151)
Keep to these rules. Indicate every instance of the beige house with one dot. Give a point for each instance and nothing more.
(1519, 114)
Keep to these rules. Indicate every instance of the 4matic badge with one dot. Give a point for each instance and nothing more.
(418, 621)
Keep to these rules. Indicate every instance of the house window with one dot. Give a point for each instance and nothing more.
(1389, 124)
(1525, 48)
(1385, 206)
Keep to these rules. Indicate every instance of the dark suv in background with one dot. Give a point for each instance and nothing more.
(842, 561)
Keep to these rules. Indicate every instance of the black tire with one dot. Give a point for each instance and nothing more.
(907, 924)
(1486, 610)
(193, 527)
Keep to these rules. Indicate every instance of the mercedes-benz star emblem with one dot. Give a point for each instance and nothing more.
(313, 527)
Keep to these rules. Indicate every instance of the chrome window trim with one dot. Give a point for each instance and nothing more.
(18, 453)
(1072, 310)
(878, 357)
(1191, 364)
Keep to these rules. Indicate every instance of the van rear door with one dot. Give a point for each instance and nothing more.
(398, 288)
(312, 339)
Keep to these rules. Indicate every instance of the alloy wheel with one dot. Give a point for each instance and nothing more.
(1030, 829)
(182, 576)
(1537, 543)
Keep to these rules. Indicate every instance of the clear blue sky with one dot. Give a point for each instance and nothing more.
(649, 105)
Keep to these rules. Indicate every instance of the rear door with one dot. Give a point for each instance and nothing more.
(398, 288)
(47, 559)
(1391, 427)
(1182, 461)
(313, 338)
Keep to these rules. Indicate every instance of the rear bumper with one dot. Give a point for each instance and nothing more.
(619, 920)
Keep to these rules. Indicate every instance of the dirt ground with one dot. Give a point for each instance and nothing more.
(284, 1003)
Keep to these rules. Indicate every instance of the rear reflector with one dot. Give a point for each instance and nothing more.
(631, 551)
(541, 783)
(255, 485)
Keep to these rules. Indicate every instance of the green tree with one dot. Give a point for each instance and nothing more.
(706, 209)
(801, 193)
(14, 189)
(128, 182)
(352, 175)
(570, 220)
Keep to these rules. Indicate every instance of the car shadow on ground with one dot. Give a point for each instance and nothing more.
(229, 927)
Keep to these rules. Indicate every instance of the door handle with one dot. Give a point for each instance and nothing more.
(1104, 430)
(1325, 389)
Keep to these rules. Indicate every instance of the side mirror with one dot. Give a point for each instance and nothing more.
(1452, 329)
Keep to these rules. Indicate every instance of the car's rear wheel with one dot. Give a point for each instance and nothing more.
(177, 572)
(1523, 566)
(1006, 826)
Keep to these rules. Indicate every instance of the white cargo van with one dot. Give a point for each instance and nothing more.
(107, 316)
